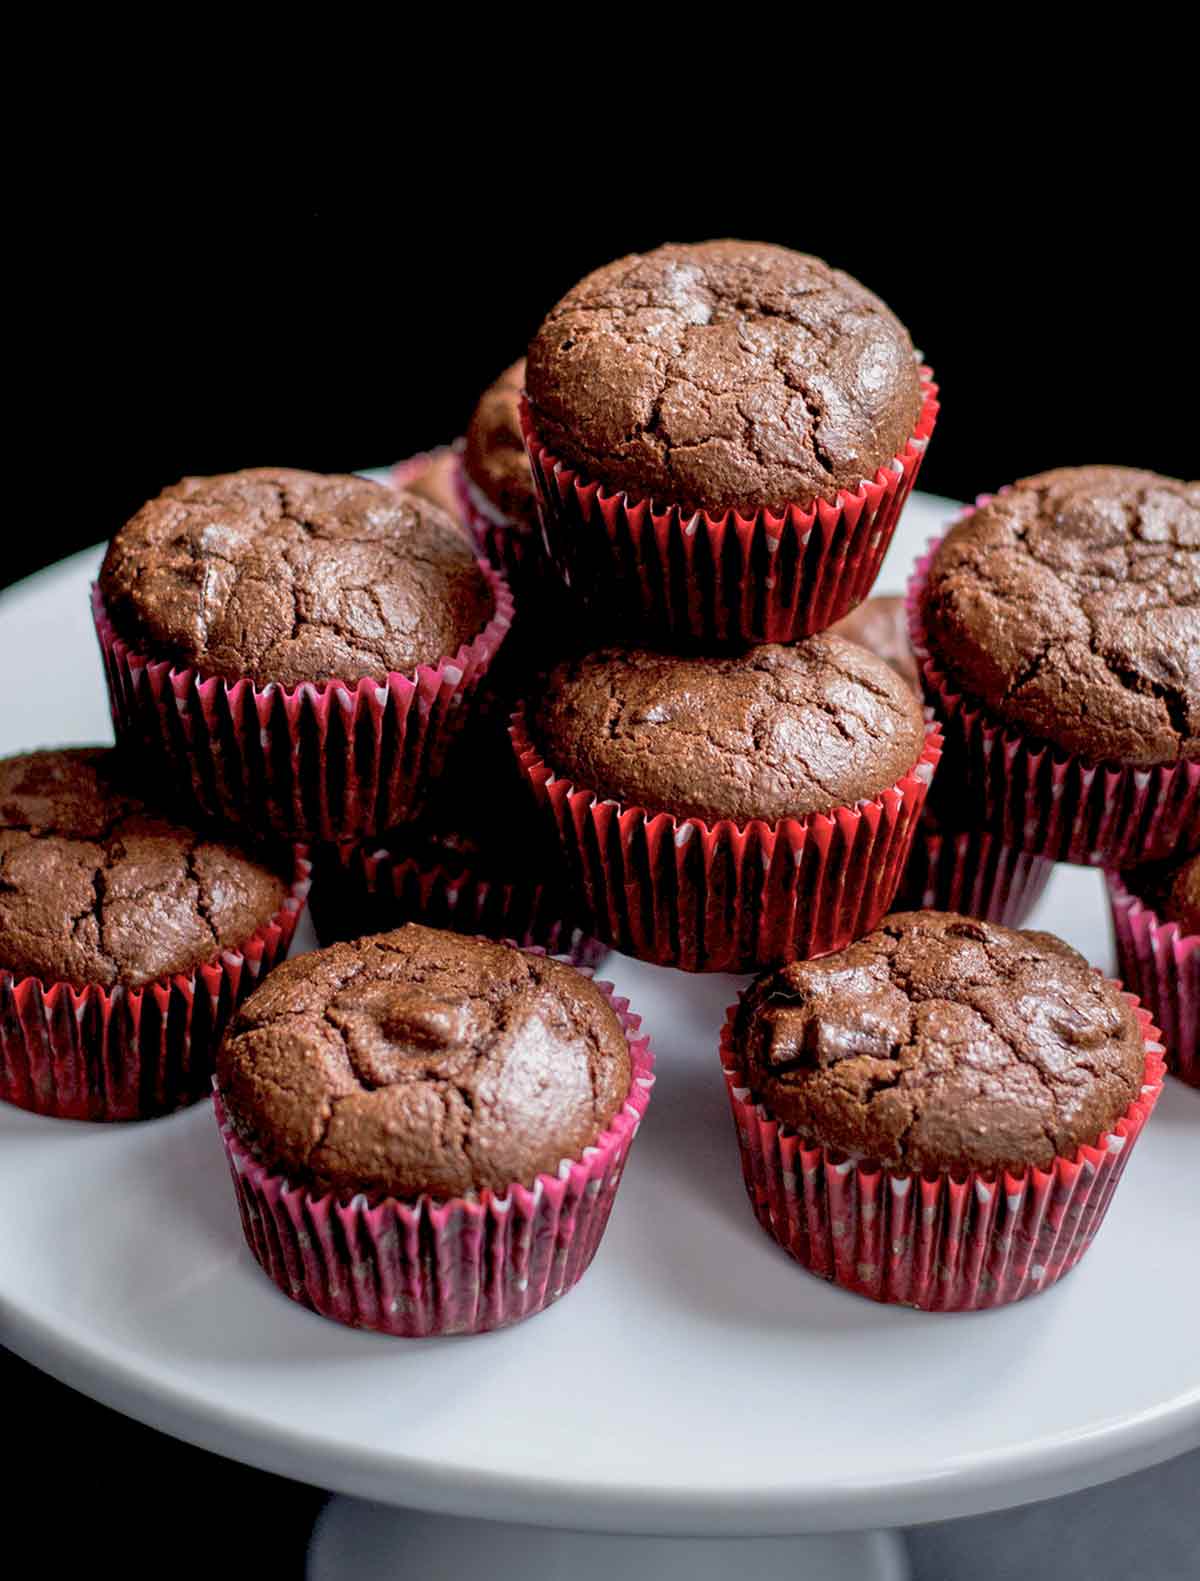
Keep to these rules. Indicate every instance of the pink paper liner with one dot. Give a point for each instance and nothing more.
(1043, 799)
(767, 577)
(943, 1242)
(971, 872)
(1161, 964)
(361, 890)
(120, 1053)
(726, 898)
(321, 761)
(461, 1266)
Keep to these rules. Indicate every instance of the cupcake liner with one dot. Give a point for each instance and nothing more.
(971, 872)
(766, 577)
(511, 546)
(944, 1242)
(726, 898)
(462, 1266)
(321, 761)
(1043, 799)
(1161, 964)
(360, 891)
(132, 1053)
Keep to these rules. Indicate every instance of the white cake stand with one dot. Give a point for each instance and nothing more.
(697, 1385)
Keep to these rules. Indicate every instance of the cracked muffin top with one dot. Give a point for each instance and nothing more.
(97, 887)
(722, 375)
(421, 1061)
(287, 576)
(770, 733)
(1070, 605)
(939, 1042)
(494, 455)
(880, 624)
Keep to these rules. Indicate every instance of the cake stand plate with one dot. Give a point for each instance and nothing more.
(696, 1384)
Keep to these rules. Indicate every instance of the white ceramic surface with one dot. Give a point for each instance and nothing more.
(696, 1382)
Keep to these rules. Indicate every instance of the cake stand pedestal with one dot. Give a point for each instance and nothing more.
(696, 1390)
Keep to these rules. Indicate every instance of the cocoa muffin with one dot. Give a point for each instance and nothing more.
(284, 577)
(774, 732)
(1069, 606)
(97, 887)
(723, 374)
(420, 1062)
(478, 860)
(880, 624)
(494, 458)
(942, 1043)
(1183, 898)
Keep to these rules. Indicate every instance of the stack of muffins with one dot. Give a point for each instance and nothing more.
(607, 673)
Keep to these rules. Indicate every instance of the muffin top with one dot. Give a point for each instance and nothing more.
(433, 480)
(1182, 904)
(97, 887)
(287, 576)
(1172, 889)
(494, 458)
(421, 1061)
(722, 375)
(1070, 605)
(881, 625)
(939, 1042)
(773, 732)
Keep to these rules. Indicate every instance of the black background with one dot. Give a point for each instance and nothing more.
(181, 327)
(1058, 315)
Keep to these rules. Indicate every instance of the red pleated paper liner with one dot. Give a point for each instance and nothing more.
(943, 1243)
(1040, 798)
(132, 1053)
(324, 761)
(971, 872)
(512, 546)
(725, 898)
(769, 577)
(462, 1266)
(1161, 964)
(362, 890)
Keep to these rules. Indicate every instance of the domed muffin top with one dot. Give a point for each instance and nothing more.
(494, 457)
(770, 733)
(1070, 605)
(723, 374)
(287, 576)
(420, 1061)
(98, 887)
(940, 1042)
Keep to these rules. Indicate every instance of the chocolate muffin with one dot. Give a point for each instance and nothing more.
(1069, 607)
(478, 860)
(494, 458)
(285, 577)
(723, 374)
(880, 624)
(775, 732)
(1182, 903)
(941, 1043)
(419, 1062)
(97, 887)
